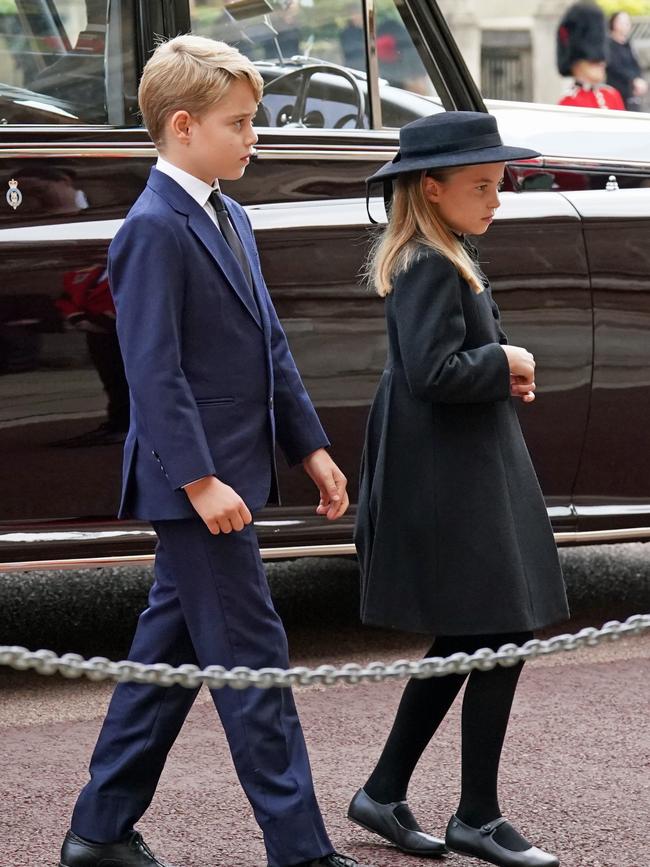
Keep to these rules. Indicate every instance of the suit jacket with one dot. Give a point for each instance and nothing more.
(211, 377)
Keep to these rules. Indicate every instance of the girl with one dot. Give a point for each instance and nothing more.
(452, 531)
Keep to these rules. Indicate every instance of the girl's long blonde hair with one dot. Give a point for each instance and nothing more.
(414, 221)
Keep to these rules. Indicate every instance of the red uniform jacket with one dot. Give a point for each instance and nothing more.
(602, 96)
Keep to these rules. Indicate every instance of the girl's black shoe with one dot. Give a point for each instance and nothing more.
(479, 843)
(381, 819)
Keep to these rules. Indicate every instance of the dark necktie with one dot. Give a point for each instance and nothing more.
(230, 235)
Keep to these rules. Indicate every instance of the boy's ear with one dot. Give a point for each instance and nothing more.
(178, 127)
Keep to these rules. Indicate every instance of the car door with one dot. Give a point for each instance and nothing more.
(612, 486)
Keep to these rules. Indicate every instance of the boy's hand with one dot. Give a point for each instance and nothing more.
(220, 507)
(331, 483)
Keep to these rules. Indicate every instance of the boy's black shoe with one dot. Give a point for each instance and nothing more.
(132, 852)
(333, 860)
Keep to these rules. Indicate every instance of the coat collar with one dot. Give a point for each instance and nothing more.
(209, 235)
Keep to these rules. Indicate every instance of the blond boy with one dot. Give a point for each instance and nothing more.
(213, 386)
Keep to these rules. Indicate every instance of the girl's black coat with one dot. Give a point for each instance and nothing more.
(452, 531)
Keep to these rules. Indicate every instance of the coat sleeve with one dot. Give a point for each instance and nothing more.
(431, 334)
(147, 280)
(297, 426)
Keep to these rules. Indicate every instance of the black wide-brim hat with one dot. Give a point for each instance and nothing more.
(446, 139)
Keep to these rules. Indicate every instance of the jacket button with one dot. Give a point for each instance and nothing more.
(271, 403)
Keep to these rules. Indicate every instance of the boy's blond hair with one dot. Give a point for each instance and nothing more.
(190, 73)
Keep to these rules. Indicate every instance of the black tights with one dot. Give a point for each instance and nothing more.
(486, 710)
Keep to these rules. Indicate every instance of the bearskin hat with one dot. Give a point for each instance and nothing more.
(582, 35)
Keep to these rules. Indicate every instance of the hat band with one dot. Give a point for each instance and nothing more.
(473, 143)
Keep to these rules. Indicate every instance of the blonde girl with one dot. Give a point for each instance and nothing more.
(452, 531)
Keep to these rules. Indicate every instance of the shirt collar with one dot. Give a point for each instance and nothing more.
(193, 186)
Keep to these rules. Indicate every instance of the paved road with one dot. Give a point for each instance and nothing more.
(575, 774)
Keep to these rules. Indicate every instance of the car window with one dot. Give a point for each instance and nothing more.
(312, 56)
(67, 61)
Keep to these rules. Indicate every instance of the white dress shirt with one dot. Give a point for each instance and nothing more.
(193, 186)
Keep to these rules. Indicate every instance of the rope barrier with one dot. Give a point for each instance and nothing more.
(72, 665)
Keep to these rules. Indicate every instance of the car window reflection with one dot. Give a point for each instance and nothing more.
(67, 61)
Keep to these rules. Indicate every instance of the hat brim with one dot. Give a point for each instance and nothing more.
(500, 154)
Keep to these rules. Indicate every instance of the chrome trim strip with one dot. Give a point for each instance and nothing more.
(361, 154)
(276, 131)
(292, 151)
(264, 152)
(286, 553)
(626, 534)
(291, 552)
(94, 151)
(585, 164)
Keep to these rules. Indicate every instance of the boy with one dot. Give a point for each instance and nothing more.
(212, 384)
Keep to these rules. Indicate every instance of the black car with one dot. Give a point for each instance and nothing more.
(568, 257)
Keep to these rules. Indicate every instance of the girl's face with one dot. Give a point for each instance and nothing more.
(467, 199)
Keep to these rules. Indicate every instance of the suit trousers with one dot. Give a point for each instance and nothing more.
(209, 605)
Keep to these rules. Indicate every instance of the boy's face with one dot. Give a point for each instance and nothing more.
(219, 144)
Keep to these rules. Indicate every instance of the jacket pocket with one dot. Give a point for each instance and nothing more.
(213, 401)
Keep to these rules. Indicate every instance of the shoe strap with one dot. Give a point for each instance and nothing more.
(490, 827)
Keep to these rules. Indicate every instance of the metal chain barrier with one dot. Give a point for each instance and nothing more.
(216, 676)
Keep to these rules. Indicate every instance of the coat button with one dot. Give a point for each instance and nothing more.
(271, 403)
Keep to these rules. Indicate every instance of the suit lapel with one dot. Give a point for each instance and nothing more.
(209, 235)
(214, 242)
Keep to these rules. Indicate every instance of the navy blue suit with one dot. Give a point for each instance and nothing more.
(212, 384)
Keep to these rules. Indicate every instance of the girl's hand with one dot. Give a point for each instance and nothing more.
(522, 388)
(520, 361)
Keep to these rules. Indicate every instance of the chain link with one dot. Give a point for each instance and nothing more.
(216, 676)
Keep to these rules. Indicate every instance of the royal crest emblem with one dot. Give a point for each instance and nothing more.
(14, 196)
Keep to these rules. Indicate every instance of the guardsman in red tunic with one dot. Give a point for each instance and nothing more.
(582, 54)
